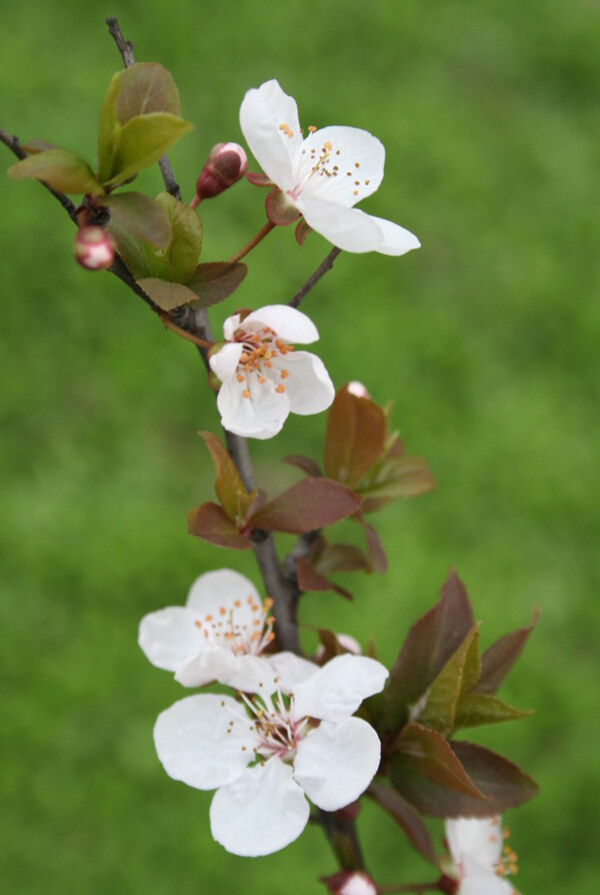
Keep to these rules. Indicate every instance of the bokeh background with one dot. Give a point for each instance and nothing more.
(486, 339)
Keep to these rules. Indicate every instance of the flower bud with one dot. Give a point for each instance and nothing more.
(358, 389)
(94, 248)
(226, 164)
(346, 882)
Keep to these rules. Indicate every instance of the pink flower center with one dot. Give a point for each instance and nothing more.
(224, 629)
(271, 718)
(260, 361)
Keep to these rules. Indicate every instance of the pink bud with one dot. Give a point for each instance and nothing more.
(94, 248)
(226, 164)
(350, 883)
(358, 389)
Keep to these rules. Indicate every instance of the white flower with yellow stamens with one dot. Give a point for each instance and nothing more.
(263, 378)
(263, 754)
(324, 175)
(481, 858)
(218, 635)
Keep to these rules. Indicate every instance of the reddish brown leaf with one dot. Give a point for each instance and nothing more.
(340, 558)
(211, 523)
(215, 281)
(427, 753)
(377, 557)
(229, 488)
(355, 437)
(431, 642)
(497, 661)
(309, 579)
(308, 505)
(406, 818)
(306, 464)
(280, 210)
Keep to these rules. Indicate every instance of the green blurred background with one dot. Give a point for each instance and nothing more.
(486, 339)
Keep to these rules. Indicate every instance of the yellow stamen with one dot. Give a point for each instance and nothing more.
(246, 393)
(280, 389)
(284, 374)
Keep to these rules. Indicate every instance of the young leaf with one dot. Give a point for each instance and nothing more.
(377, 557)
(211, 523)
(229, 488)
(442, 696)
(142, 141)
(431, 642)
(309, 579)
(497, 661)
(61, 169)
(425, 753)
(396, 478)
(406, 818)
(165, 294)
(306, 506)
(108, 129)
(475, 709)
(304, 463)
(142, 216)
(355, 437)
(215, 281)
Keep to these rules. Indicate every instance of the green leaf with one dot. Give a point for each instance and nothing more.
(142, 141)
(165, 294)
(425, 753)
(501, 656)
(229, 488)
(431, 642)
(211, 523)
(215, 281)
(475, 709)
(61, 169)
(355, 437)
(142, 216)
(442, 696)
(406, 818)
(142, 89)
(306, 506)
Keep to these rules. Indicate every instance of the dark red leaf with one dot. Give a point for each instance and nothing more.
(406, 818)
(355, 437)
(306, 464)
(377, 557)
(211, 523)
(309, 579)
(215, 281)
(308, 505)
(497, 661)
(229, 488)
(426, 753)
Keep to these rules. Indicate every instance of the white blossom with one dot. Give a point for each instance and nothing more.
(263, 378)
(323, 175)
(264, 753)
(481, 858)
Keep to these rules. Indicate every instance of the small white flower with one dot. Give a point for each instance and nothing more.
(324, 175)
(218, 635)
(262, 377)
(481, 858)
(264, 754)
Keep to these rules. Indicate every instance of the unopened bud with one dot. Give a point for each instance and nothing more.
(346, 882)
(358, 389)
(226, 164)
(94, 248)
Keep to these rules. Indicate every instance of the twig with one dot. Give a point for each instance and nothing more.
(258, 237)
(125, 48)
(321, 270)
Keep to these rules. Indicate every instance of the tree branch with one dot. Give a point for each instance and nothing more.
(125, 48)
(321, 270)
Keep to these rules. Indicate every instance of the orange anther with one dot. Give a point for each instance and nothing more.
(311, 128)
(356, 165)
(246, 393)
(240, 377)
(279, 342)
(280, 389)
(367, 182)
(284, 374)
(327, 145)
(355, 192)
(270, 637)
(222, 610)
(268, 364)
(198, 624)
(243, 358)
(268, 602)
(208, 618)
(237, 603)
(262, 380)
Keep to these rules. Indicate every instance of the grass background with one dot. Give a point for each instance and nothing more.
(486, 339)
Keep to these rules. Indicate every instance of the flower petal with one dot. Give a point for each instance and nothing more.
(224, 588)
(224, 363)
(288, 323)
(198, 744)
(263, 811)
(260, 416)
(480, 881)
(308, 387)
(230, 325)
(336, 762)
(170, 637)
(290, 670)
(347, 172)
(338, 688)
(479, 839)
(262, 114)
(353, 230)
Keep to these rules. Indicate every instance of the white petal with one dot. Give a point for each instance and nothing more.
(229, 327)
(479, 839)
(290, 670)
(308, 387)
(336, 762)
(216, 663)
(263, 811)
(260, 416)
(359, 164)
(289, 323)
(170, 637)
(480, 881)
(262, 113)
(339, 687)
(194, 745)
(225, 362)
(223, 589)
(353, 230)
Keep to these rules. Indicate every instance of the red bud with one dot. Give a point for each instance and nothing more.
(226, 164)
(346, 882)
(94, 248)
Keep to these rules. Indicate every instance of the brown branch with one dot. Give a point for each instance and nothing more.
(321, 270)
(125, 48)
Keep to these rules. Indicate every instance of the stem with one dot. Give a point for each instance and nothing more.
(253, 242)
(343, 839)
(169, 324)
(321, 270)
